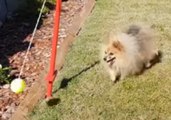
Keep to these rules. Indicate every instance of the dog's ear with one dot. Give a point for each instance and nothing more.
(113, 40)
(116, 44)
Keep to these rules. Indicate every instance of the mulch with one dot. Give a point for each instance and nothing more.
(14, 39)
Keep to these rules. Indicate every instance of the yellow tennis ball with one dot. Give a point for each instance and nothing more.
(18, 85)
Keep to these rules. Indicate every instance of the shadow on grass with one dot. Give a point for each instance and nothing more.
(65, 81)
(53, 102)
(64, 84)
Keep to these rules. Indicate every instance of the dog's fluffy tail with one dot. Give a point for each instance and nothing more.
(133, 30)
(142, 33)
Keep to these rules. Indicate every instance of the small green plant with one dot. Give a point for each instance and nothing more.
(4, 75)
(32, 7)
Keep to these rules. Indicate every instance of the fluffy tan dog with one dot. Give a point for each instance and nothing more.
(129, 52)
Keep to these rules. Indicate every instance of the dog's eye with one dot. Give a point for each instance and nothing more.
(105, 52)
(110, 53)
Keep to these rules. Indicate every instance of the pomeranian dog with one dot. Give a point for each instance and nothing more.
(129, 52)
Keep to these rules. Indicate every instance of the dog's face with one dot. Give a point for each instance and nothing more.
(112, 52)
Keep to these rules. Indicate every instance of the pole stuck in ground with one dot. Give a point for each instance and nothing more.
(51, 75)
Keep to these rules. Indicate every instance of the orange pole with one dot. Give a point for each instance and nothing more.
(51, 75)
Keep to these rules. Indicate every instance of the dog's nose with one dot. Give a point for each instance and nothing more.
(104, 59)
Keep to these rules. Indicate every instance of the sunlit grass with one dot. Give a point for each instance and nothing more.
(89, 93)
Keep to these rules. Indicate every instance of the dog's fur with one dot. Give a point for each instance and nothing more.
(129, 52)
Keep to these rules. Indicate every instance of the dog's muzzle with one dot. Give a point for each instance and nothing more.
(109, 60)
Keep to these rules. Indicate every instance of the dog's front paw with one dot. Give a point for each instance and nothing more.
(113, 78)
(148, 65)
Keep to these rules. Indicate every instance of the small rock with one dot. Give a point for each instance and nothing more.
(6, 116)
(6, 86)
(62, 36)
(13, 72)
(1, 113)
(10, 110)
(65, 9)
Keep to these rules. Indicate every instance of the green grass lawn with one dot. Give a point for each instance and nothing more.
(85, 90)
